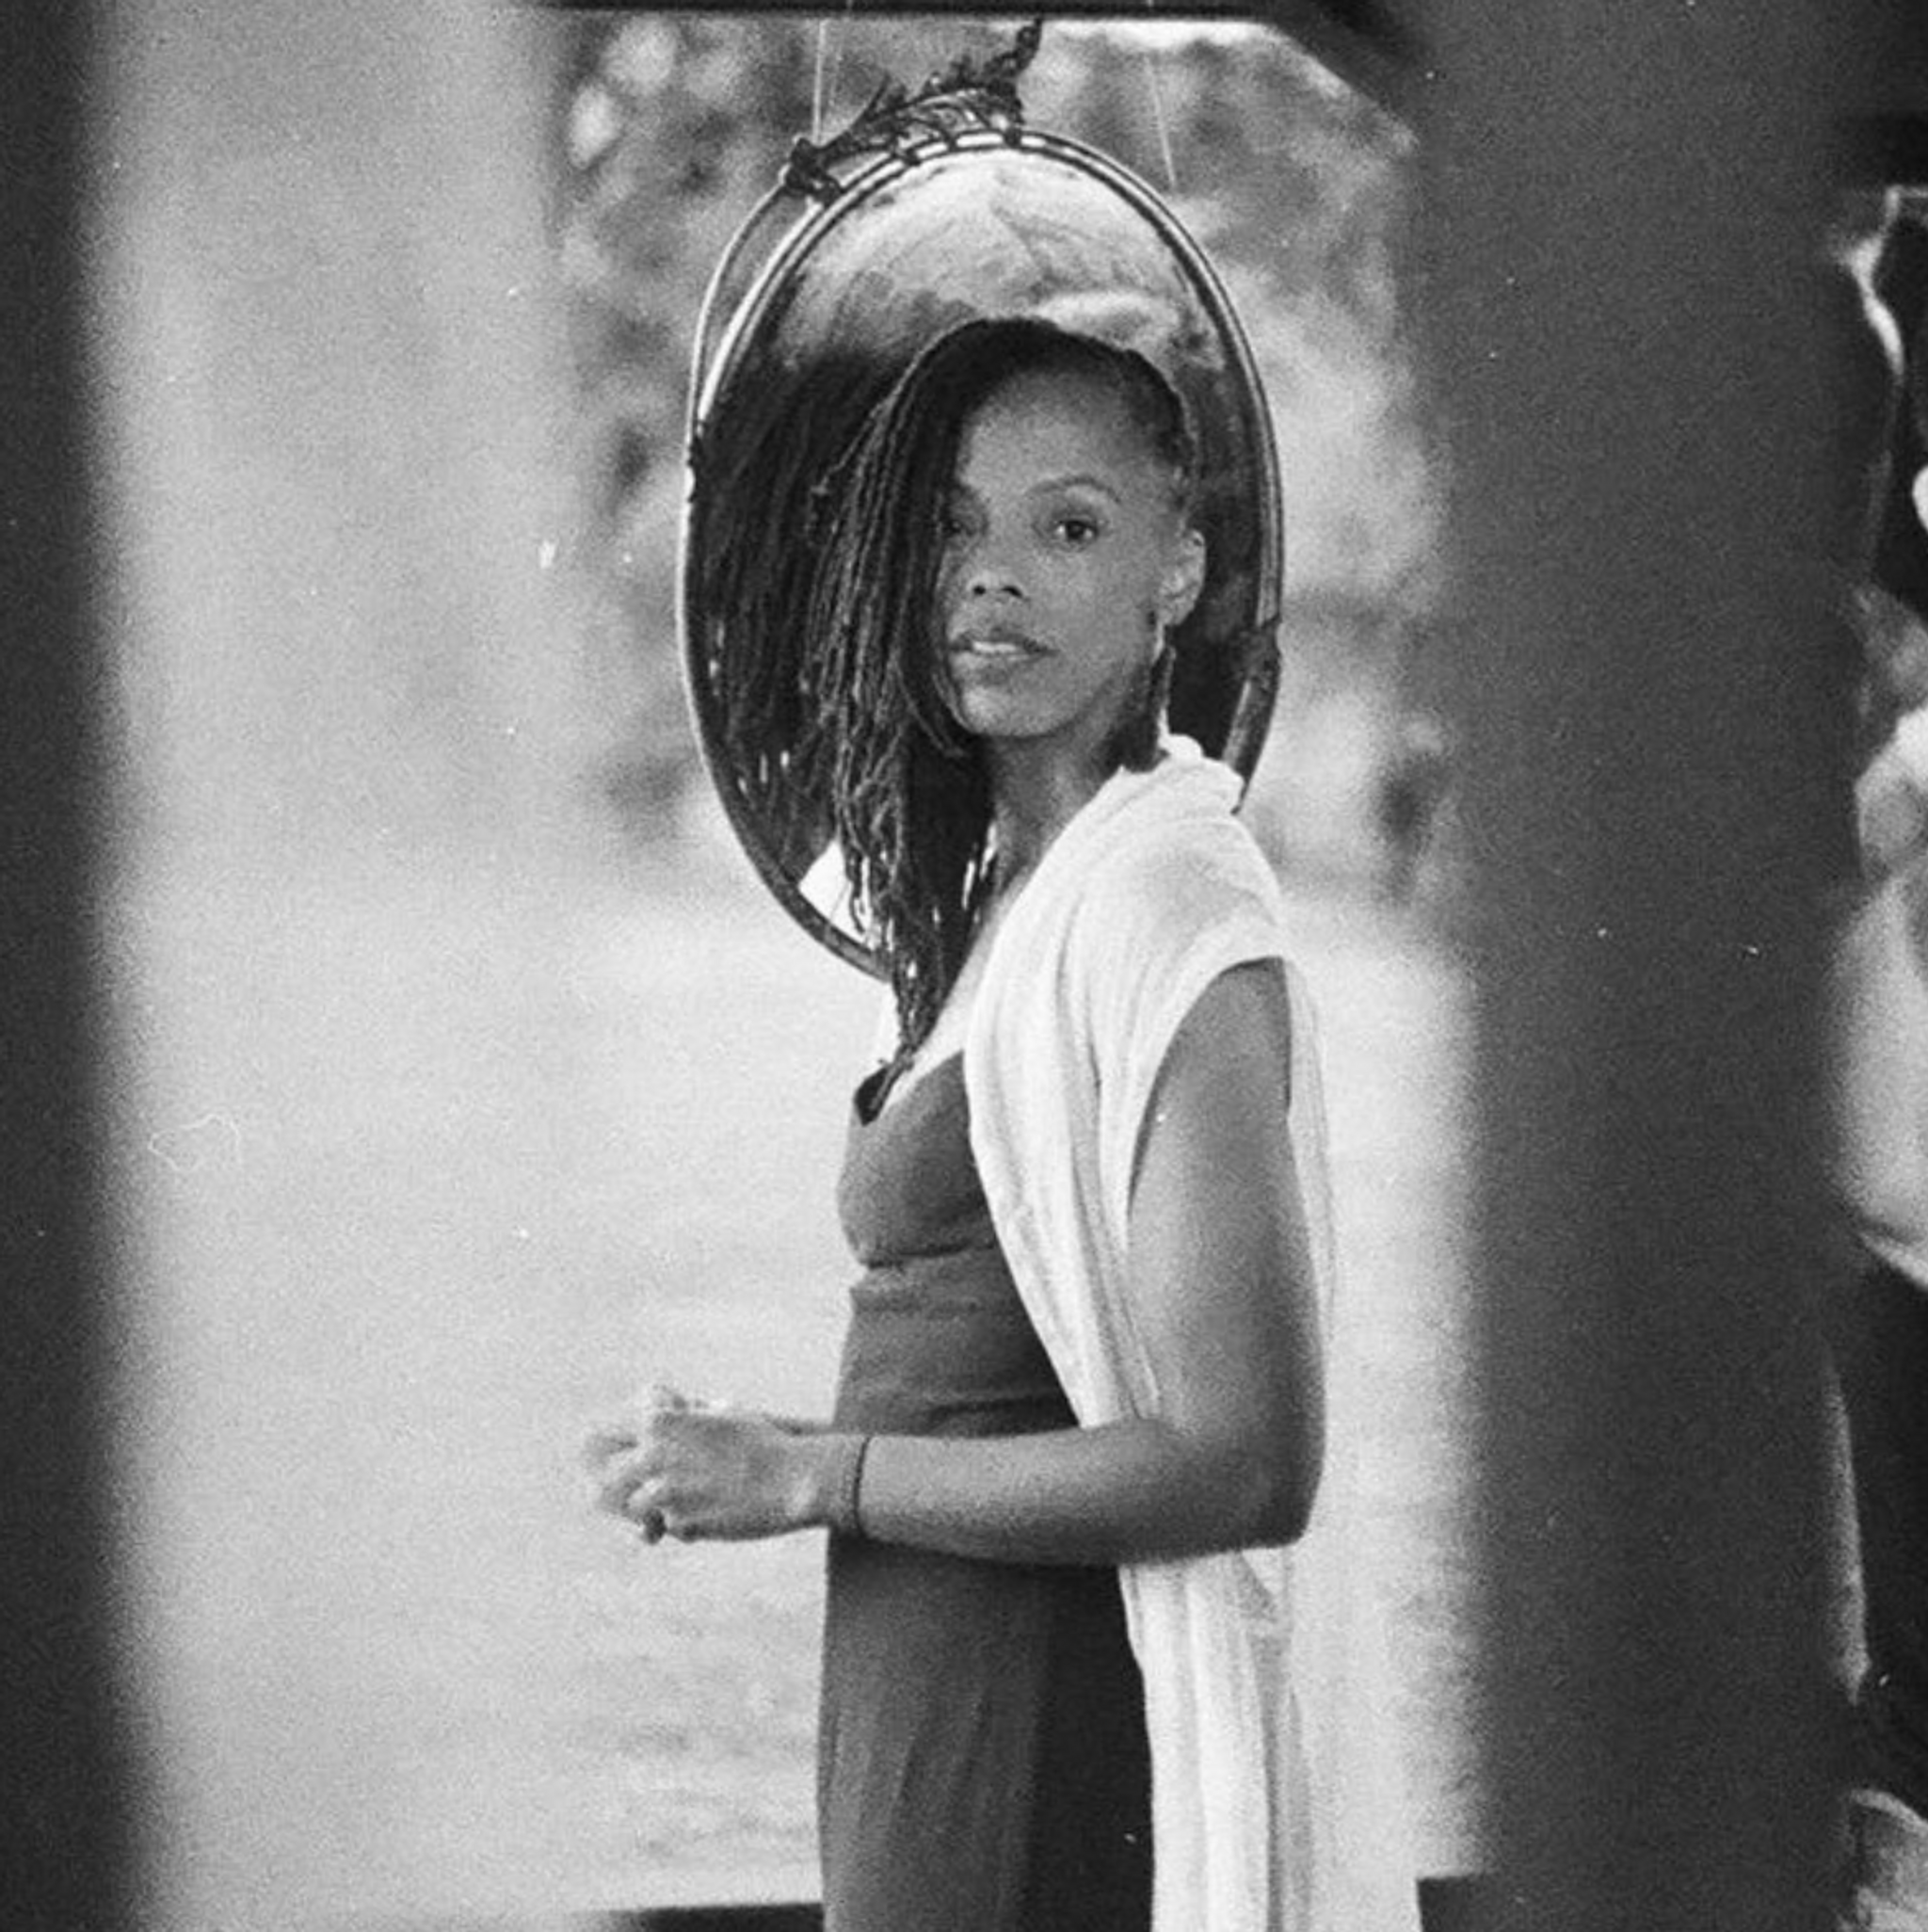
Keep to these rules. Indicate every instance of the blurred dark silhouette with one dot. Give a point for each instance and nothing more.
(1880, 1315)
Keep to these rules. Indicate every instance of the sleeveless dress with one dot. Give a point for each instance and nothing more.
(982, 1763)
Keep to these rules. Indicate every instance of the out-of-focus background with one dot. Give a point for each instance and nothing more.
(463, 1078)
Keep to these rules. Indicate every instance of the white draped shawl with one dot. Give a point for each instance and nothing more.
(1278, 1801)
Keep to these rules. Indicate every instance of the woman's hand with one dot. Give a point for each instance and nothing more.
(706, 1470)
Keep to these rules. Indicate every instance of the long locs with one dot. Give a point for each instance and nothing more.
(907, 794)
(906, 789)
(1133, 745)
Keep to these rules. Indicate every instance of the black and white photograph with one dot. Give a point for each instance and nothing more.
(965, 972)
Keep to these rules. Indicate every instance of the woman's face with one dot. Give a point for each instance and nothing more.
(1064, 553)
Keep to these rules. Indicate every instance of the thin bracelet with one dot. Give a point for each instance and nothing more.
(842, 1513)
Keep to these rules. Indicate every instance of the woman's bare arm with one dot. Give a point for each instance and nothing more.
(1222, 1285)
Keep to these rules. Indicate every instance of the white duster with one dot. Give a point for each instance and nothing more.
(1278, 1802)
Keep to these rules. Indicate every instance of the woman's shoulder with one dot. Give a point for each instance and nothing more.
(1162, 872)
(1191, 864)
(1165, 916)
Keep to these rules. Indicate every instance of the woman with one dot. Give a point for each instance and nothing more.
(1088, 1343)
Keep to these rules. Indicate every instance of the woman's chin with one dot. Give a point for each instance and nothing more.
(990, 714)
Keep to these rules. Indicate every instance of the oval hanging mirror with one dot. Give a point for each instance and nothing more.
(932, 210)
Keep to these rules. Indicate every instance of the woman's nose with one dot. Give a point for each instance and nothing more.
(987, 572)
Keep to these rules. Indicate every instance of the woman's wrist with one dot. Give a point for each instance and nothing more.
(837, 1499)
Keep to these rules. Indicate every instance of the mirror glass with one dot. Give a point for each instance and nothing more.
(944, 208)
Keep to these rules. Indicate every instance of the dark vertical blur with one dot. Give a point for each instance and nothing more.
(1625, 212)
(63, 1815)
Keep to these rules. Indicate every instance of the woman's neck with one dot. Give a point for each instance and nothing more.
(1032, 802)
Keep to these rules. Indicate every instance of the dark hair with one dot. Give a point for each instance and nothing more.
(908, 796)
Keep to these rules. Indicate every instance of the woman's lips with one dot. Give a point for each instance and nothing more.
(995, 647)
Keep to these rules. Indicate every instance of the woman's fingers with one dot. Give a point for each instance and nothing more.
(627, 1461)
(627, 1491)
(640, 1477)
(609, 1441)
(604, 1441)
(641, 1507)
(697, 1469)
(614, 1481)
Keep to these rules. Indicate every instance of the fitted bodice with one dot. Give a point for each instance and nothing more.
(939, 1343)
(909, 1188)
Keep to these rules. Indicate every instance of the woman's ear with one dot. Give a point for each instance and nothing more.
(1183, 578)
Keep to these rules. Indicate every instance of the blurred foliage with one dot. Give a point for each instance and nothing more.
(669, 129)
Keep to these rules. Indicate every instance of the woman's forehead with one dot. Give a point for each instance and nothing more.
(1046, 414)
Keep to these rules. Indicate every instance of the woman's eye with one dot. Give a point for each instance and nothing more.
(1075, 532)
